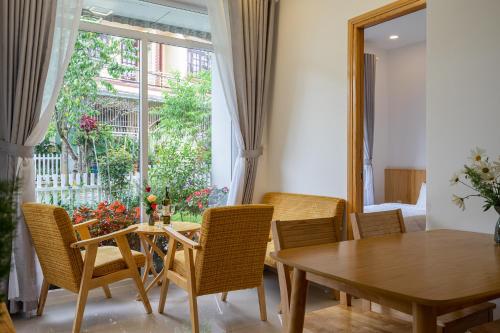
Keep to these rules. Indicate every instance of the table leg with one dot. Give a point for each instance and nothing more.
(298, 302)
(424, 319)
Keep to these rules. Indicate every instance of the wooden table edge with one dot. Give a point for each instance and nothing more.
(446, 304)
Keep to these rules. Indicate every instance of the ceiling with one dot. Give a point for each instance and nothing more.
(410, 28)
(187, 14)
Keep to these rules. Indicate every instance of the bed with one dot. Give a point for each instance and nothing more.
(405, 189)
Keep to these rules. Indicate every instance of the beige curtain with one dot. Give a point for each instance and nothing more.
(26, 35)
(243, 37)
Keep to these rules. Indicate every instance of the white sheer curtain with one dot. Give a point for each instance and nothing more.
(25, 272)
(218, 14)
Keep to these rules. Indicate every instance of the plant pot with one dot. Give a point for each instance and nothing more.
(497, 227)
(6, 324)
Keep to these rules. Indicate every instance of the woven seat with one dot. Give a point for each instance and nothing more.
(64, 264)
(230, 255)
(180, 263)
(109, 260)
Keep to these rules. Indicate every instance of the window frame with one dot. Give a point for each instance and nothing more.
(144, 38)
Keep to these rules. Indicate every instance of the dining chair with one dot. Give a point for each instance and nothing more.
(366, 225)
(229, 256)
(66, 266)
(310, 232)
(388, 222)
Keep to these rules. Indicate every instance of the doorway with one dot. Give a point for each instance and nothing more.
(356, 49)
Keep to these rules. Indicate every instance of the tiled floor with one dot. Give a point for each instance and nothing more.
(122, 314)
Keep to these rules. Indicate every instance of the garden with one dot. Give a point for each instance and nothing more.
(90, 147)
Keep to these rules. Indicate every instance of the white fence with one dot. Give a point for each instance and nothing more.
(73, 189)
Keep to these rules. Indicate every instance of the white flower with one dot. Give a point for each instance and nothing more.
(455, 178)
(485, 170)
(496, 167)
(477, 155)
(458, 201)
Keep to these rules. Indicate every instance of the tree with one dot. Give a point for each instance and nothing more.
(181, 144)
(93, 54)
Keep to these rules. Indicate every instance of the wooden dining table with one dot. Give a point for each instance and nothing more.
(424, 274)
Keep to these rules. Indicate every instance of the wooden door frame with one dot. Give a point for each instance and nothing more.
(355, 71)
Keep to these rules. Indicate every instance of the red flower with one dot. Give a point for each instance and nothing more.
(200, 205)
(153, 206)
(148, 189)
(120, 209)
(197, 193)
(188, 199)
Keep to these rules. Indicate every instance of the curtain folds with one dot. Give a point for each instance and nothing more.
(37, 40)
(369, 121)
(243, 37)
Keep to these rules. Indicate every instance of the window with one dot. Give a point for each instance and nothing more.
(198, 60)
(113, 131)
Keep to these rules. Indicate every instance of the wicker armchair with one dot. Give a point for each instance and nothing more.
(291, 206)
(66, 266)
(229, 256)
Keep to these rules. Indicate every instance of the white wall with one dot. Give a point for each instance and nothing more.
(399, 134)
(463, 99)
(306, 148)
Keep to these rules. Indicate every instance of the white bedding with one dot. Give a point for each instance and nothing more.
(413, 215)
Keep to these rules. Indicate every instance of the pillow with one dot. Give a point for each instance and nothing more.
(422, 197)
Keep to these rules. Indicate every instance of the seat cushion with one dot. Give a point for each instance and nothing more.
(268, 260)
(180, 262)
(109, 260)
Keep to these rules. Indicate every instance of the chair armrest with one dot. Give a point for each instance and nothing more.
(97, 240)
(181, 238)
(83, 228)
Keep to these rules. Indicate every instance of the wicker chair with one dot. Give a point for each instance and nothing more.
(229, 256)
(291, 206)
(66, 266)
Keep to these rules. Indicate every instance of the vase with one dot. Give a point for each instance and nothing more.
(497, 227)
(151, 220)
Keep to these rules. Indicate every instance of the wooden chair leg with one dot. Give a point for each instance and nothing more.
(88, 269)
(366, 305)
(262, 302)
(223, 297)
(345, 299)
(124, 247)
(43, 297)
(335, 294)
(193, 304)
(107, 292)
(163, 293)
(168, 262)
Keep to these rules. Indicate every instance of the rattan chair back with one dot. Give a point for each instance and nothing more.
(52, 234)
(233, 246)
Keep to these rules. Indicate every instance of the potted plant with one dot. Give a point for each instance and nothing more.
(482, 177)
(7, 227)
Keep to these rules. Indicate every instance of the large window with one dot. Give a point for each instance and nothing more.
(133, 110)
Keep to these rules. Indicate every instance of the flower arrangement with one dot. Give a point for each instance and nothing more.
(111, 216)
(150, 200)
(482, 176)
